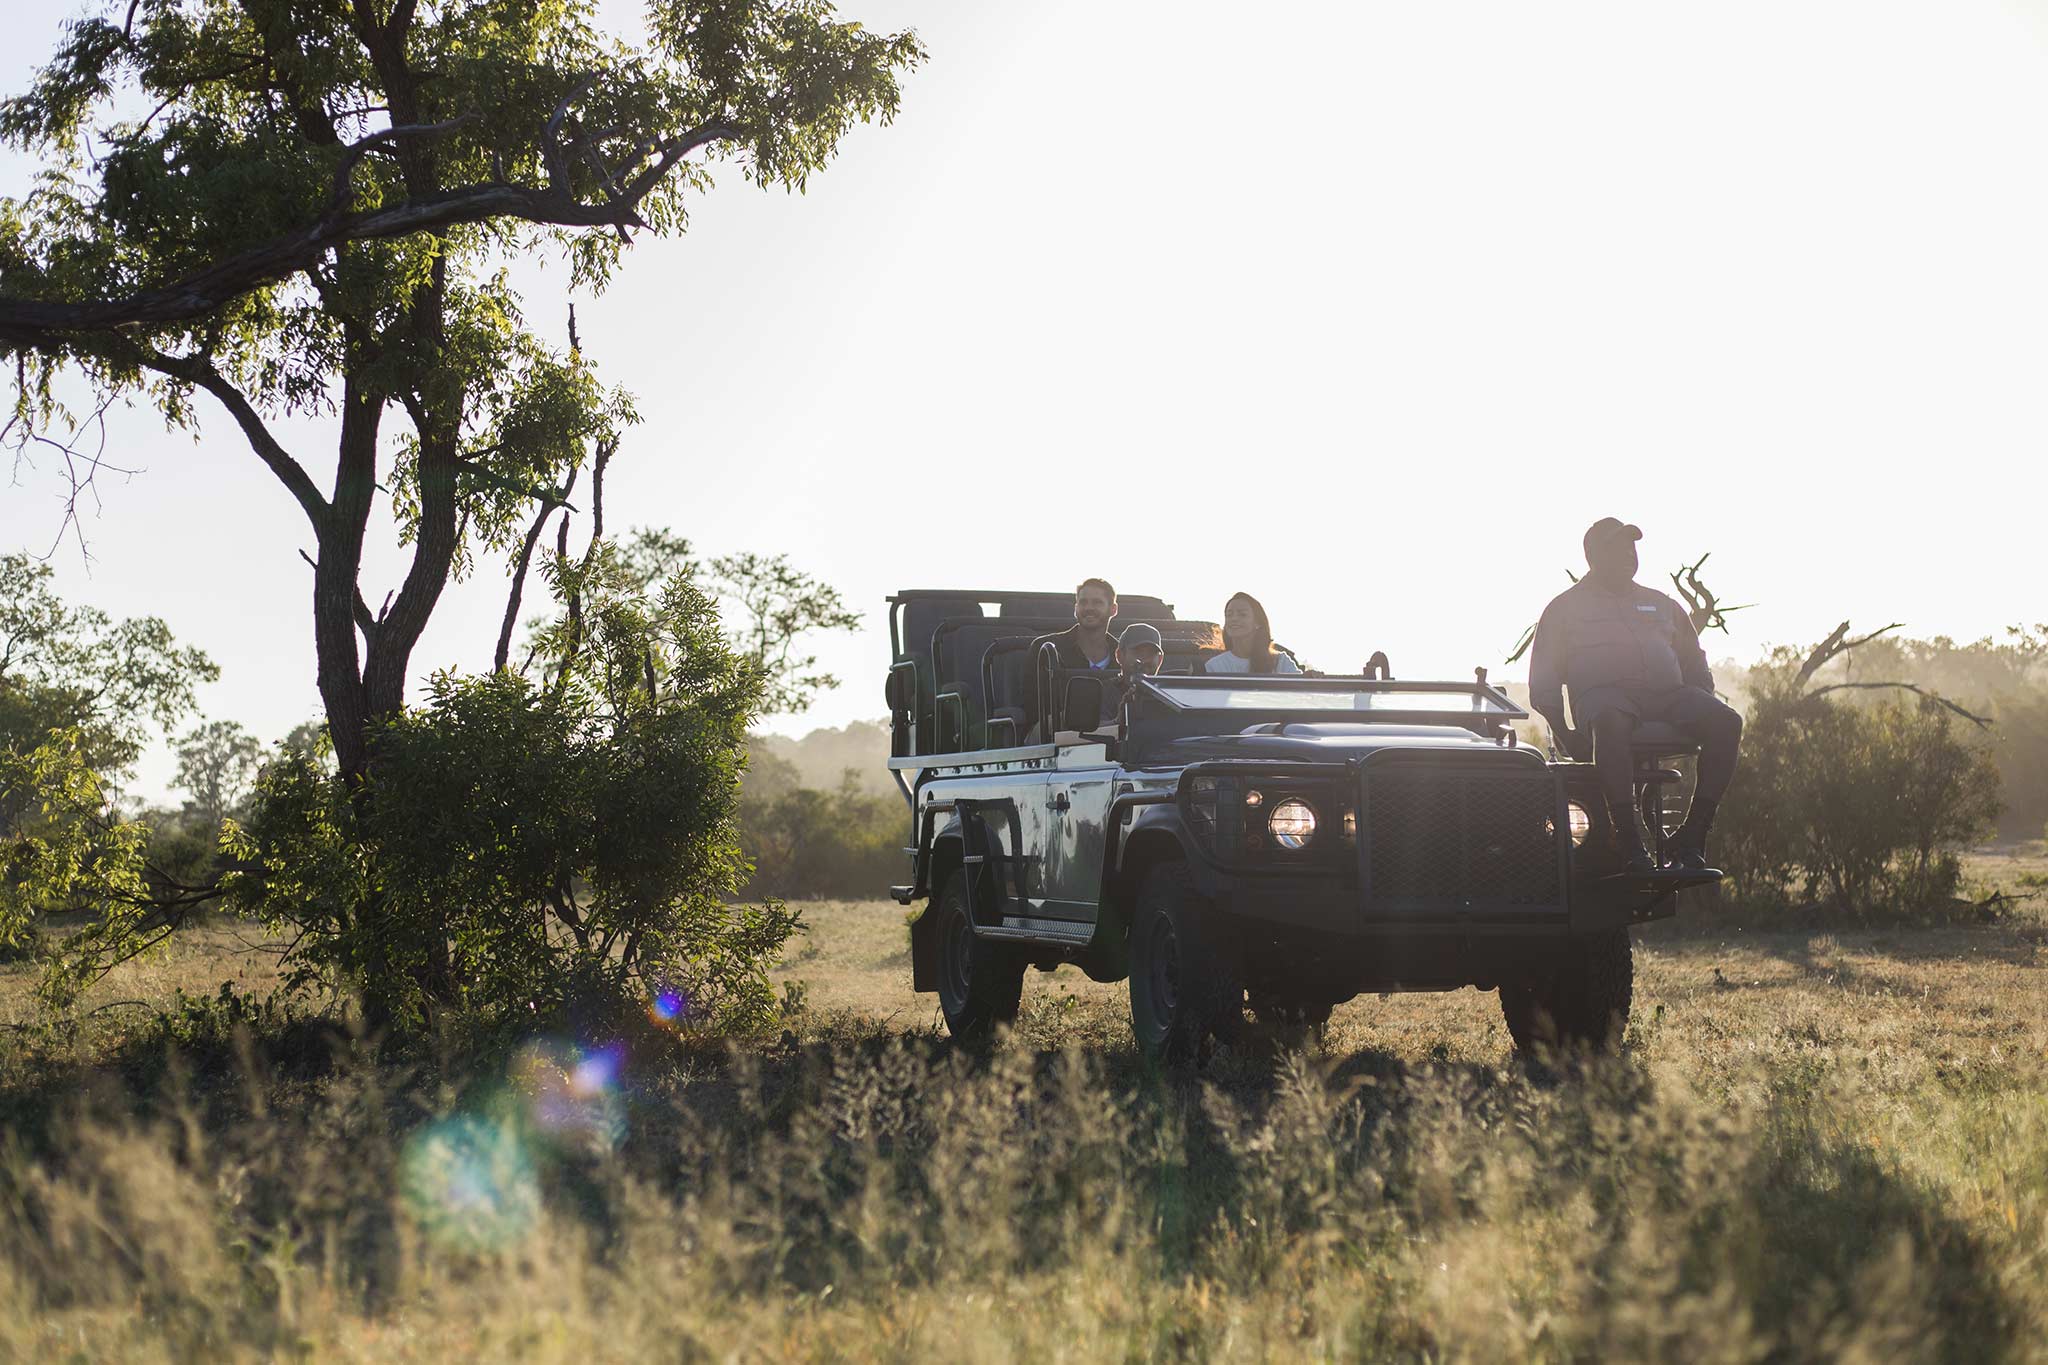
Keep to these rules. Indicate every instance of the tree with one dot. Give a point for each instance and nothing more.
(216, 763)
(780, 605)
(538, 844)
(76, 669)
(79, 695)
(314, 218)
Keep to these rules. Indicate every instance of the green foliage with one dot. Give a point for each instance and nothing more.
(780, 605)
(66, 854)
(79, 694)
(76, 669)
(1860, 806)
(805, 842)
(530, 848)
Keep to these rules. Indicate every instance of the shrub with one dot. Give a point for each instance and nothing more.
(1859, 806)
(522, 850)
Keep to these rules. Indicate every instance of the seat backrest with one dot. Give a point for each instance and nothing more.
(1084, 698)
(957, 649)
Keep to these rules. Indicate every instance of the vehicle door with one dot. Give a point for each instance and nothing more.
(1077, 801)
(1014, 810)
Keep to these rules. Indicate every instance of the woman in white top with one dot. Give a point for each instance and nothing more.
(1248, 641)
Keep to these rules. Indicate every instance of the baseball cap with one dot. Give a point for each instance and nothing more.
(1607, 529)
(1140, 633)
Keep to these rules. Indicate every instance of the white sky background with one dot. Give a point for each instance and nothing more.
(1365, 308)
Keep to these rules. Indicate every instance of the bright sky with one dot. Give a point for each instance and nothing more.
(1365, 308)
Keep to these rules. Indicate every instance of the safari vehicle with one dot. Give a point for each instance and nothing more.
(1274, 842)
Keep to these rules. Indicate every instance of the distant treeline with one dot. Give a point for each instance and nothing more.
(819, 815)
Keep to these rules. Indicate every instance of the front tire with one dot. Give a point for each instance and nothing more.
(1184, 984)
(981, 983)
(1583, 1004)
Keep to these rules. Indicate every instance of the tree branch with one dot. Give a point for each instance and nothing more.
(45, 323)
(1981, 722)
(354, 153)
(1837, 644)
(540, 521)
(199, 371)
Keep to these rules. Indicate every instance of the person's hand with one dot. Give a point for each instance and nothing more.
(1578, 744)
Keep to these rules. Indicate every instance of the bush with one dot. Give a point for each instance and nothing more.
(525, 851)
(1858, 806)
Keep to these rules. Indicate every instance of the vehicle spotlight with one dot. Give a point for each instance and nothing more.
(1293, 823)
(1578, 822)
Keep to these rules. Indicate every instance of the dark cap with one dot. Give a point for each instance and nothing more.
(1140, 633)
(1608, 529)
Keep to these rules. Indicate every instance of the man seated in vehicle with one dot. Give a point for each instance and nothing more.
(1140, 653)
(1630, 655)
(1086, 645)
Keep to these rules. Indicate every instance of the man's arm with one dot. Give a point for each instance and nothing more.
(1692, 657)
(1546, 667)
(1546, 674)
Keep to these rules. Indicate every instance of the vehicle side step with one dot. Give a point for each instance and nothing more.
(1664, 879)
(1037, 931)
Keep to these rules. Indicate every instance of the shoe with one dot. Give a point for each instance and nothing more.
(1687, 851)
(1635, 859)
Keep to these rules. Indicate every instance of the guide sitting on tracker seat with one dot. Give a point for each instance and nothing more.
(1638, 682)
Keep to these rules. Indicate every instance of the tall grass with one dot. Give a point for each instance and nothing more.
(883, 1197)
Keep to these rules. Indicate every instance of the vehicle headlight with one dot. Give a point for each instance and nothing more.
(1293, 823)
(1577, 822)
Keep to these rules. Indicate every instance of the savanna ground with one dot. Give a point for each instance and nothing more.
(1824, 1141)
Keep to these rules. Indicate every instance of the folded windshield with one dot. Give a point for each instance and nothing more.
(1333, 694)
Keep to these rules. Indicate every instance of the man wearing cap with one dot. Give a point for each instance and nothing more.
(1629, 654)
(1140, 652)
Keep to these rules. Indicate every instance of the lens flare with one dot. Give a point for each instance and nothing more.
(668, 1006)
(470, 1184)
(572, 1094)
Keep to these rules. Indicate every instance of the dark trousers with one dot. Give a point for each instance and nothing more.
(1612, 715)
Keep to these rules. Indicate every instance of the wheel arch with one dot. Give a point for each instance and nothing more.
(1156, 838)
(943, 861)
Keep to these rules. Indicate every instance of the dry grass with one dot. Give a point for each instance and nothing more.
(1816, 1145)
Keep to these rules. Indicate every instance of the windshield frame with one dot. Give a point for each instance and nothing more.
(1459, 708)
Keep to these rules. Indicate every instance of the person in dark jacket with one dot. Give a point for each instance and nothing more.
(1629, 654)
(1085, 645)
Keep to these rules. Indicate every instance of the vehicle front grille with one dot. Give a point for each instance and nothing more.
(1444, 837)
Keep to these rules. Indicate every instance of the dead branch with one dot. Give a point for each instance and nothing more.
(81, 468)
(1702, 606)
(1837, 644)
(1981, 722)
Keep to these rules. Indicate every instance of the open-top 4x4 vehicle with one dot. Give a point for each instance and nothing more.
(1277, 842)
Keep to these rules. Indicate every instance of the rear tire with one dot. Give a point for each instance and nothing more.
(980, 983)
(1184, 983)
(1583, 1004)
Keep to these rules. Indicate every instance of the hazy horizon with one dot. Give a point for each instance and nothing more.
(1365, 309)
